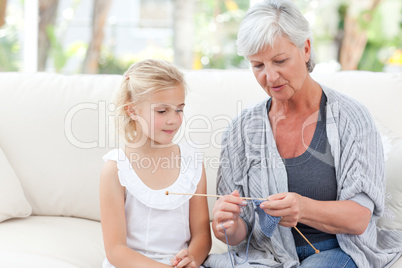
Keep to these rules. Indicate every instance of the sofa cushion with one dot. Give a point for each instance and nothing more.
(56, 137)
(12, 199)
(380, 92)
(392, 218)
(16, 259)
(61, 241)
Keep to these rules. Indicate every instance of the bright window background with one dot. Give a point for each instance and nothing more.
(195, 34)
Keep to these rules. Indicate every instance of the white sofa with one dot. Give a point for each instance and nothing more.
(54, 132)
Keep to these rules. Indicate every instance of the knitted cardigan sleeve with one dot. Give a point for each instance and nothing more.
(232, 172)
(359, 163)
(357, 150)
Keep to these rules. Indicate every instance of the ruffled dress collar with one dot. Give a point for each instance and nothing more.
(186, 182)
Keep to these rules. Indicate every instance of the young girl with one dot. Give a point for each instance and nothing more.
(142, 226)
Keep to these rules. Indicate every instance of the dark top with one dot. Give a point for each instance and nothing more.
(312, 175)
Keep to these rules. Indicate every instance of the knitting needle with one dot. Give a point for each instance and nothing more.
(214, 195)
(248, 198)
(305, 238)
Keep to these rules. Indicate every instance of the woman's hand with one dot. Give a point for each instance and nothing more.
(288, 206)
(183, 259)
(334, 217)
(226, 216)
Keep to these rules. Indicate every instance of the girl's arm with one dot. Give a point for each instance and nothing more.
(200, 243)
(113, 222)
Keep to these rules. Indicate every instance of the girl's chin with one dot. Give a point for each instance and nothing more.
(162, 142)
(157, 142)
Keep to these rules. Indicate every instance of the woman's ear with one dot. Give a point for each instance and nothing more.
(307, 50)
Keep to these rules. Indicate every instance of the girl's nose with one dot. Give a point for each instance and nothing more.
(174, 118)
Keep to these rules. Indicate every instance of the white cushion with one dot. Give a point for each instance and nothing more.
(380, 92)
(392, 144)
(12, 199)
(15, 259)
(398, 263)
(51, 131)
(392, 218)
(70, 242)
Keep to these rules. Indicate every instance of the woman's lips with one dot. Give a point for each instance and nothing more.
(278, 88)
(169, 131)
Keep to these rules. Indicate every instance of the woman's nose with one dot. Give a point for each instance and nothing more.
(271, 75)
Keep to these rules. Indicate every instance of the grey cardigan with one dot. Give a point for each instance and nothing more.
(251, 164)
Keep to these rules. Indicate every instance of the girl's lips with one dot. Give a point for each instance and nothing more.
(169, 131)
(278, 88)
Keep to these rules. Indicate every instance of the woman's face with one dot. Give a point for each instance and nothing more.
(281, 69)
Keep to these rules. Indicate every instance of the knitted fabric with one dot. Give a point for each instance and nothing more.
(267, 222)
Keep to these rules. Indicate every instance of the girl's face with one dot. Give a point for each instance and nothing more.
(160, 117)
(281, 69)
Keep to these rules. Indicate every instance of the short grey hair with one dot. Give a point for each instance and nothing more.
(266, 21)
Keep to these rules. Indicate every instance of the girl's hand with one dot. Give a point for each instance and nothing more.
(183, 259)
(226, 212)
(288, 206)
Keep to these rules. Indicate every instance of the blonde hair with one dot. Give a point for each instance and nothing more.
(140, 81)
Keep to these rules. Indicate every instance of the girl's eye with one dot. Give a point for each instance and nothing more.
(161, 111)
(179, 111)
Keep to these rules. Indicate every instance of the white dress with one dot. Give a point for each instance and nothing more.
(157, 224)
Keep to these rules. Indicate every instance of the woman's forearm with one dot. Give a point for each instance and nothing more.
(335, 217)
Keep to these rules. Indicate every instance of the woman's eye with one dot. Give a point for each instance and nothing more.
(161, 111)
(258, 65)
(179, 111)
(280, 61)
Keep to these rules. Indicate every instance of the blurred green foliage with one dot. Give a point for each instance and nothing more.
(109, 64)
(9, 49)
(375, 55)
(58, 53)
(216, 24)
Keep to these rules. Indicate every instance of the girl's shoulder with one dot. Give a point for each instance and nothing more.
(111, 155)
(118, 156)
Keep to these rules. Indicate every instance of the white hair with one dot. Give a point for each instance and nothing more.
(266, 21)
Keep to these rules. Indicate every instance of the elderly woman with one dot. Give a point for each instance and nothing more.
(313, 152)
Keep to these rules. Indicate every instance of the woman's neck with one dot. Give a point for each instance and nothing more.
(307, 99)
